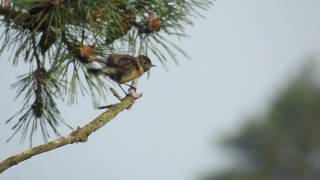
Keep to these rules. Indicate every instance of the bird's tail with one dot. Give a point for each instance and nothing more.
(95, 71)
(108, 71)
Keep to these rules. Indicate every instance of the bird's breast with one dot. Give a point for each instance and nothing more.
(131, 75)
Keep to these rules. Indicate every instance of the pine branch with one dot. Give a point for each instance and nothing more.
(79, 135)
(53, 31)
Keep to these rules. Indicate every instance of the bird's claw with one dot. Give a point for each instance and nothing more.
(133, 92)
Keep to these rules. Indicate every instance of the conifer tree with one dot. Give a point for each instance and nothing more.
(57, 38)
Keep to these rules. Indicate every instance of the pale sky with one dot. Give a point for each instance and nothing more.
(242, 54)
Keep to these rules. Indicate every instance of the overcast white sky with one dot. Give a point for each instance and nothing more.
(242, 53)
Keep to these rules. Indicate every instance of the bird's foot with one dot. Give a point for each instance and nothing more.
(130, 86)
(132, 92)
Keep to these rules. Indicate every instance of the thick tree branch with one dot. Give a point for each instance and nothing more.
(79, 135)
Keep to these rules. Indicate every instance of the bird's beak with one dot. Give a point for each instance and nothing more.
(152, 65)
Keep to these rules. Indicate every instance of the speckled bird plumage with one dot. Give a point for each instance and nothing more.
(123, 68)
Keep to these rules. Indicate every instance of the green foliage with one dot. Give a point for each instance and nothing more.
(47, 34)
(283, 144)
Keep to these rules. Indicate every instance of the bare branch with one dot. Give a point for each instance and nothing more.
(79, 135)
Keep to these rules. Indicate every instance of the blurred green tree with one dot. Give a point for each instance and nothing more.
(283, 144)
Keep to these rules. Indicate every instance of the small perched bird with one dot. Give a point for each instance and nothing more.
(123, 68)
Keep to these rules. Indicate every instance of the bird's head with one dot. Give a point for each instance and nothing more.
(145, 62)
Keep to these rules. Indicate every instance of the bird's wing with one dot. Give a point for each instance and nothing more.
(124, 62)
(113, 59)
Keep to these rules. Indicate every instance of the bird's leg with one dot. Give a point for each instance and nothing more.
(122, 89)
(130, 86)
(133, 89)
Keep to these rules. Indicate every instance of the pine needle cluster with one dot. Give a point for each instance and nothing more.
(48, 35)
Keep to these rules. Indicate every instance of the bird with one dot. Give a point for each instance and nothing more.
(123, 68)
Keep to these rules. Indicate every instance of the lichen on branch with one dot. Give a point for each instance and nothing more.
(79, 135)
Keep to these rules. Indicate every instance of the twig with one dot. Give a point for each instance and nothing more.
(79, 135)
(105, 107)
(115, 93)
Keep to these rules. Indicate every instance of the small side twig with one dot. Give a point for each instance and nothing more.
(79, 135)
(115, 93)
(105, 107)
